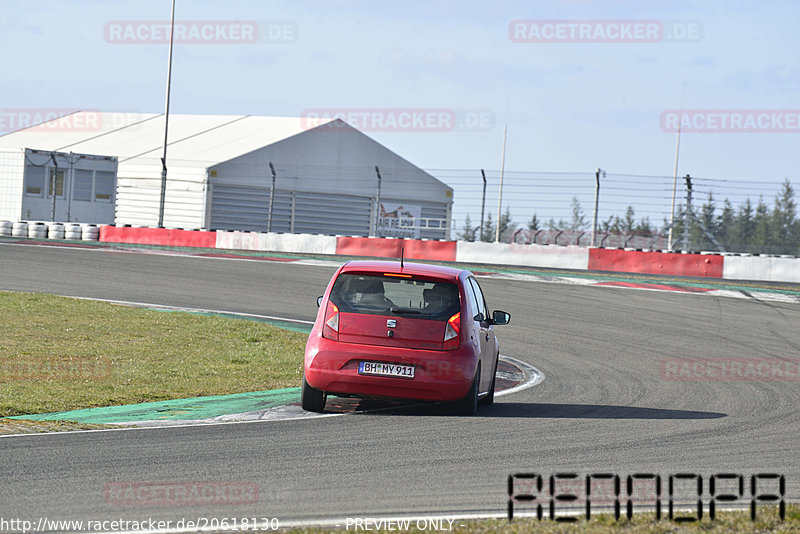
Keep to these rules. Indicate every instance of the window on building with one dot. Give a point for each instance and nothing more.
(34, 181)
(57, 181)
(104, 186)
(82, 188)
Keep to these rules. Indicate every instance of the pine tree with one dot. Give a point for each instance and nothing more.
(744, 227)
(468, 232)
(506, 226)
(783, 220)
(677, 230)
(578, 218)
(533, 224)
(760, 241)
(629, 221)
(725, 226)
(708, 219)
(607, 226)
(487, 232)
(644, 228)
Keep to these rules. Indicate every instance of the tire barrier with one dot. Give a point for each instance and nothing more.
(37, 230)
(19, 229)
(73, 231)
(5, 228)
(90, 232)
(55, 230)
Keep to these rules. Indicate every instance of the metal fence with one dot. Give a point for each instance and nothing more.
(626, 210)
(252, 209)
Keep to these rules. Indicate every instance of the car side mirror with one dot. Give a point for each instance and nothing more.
(319, 302)
(500, 317)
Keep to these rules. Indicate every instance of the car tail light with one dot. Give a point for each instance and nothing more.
(452, 340)
(330, 329)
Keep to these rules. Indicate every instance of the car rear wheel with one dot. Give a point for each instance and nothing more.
(469, 404)
(489, 399)
(312, 400)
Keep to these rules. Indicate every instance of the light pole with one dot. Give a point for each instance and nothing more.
(483, 206)
(675, 175)
(500, 197)
(378, 202)
(166, 122)
(271, 196)
(596, 202)
(54, 185)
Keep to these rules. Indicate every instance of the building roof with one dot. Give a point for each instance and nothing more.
(198, 141)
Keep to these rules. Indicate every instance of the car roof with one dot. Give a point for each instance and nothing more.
(417, 269)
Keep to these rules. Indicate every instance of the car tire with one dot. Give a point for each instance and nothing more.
(488, 400)
(469, 404)
(312, 400)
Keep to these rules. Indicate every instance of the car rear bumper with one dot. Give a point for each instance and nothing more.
(332, 366)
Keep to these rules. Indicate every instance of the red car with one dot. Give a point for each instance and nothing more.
(403, 331)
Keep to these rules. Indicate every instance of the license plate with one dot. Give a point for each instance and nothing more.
(386, 369)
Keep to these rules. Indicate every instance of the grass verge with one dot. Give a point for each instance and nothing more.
(23, 426)
(62, 354)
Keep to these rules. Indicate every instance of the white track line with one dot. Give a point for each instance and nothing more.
(533, 376)
(192, 310)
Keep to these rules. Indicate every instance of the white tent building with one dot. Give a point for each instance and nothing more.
(219, 175)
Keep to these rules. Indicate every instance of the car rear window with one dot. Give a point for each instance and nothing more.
(388, 295)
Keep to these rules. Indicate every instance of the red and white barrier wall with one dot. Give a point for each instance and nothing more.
(560, 257)
(158, 236)
(764, 268)
(303, 243)
(412, 249)
(669, 263)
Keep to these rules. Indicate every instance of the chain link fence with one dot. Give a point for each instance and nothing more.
(625, 210)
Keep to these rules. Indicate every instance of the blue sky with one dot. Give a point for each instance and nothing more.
(570, 107)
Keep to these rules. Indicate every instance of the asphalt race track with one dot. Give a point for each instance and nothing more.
(604, 406)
